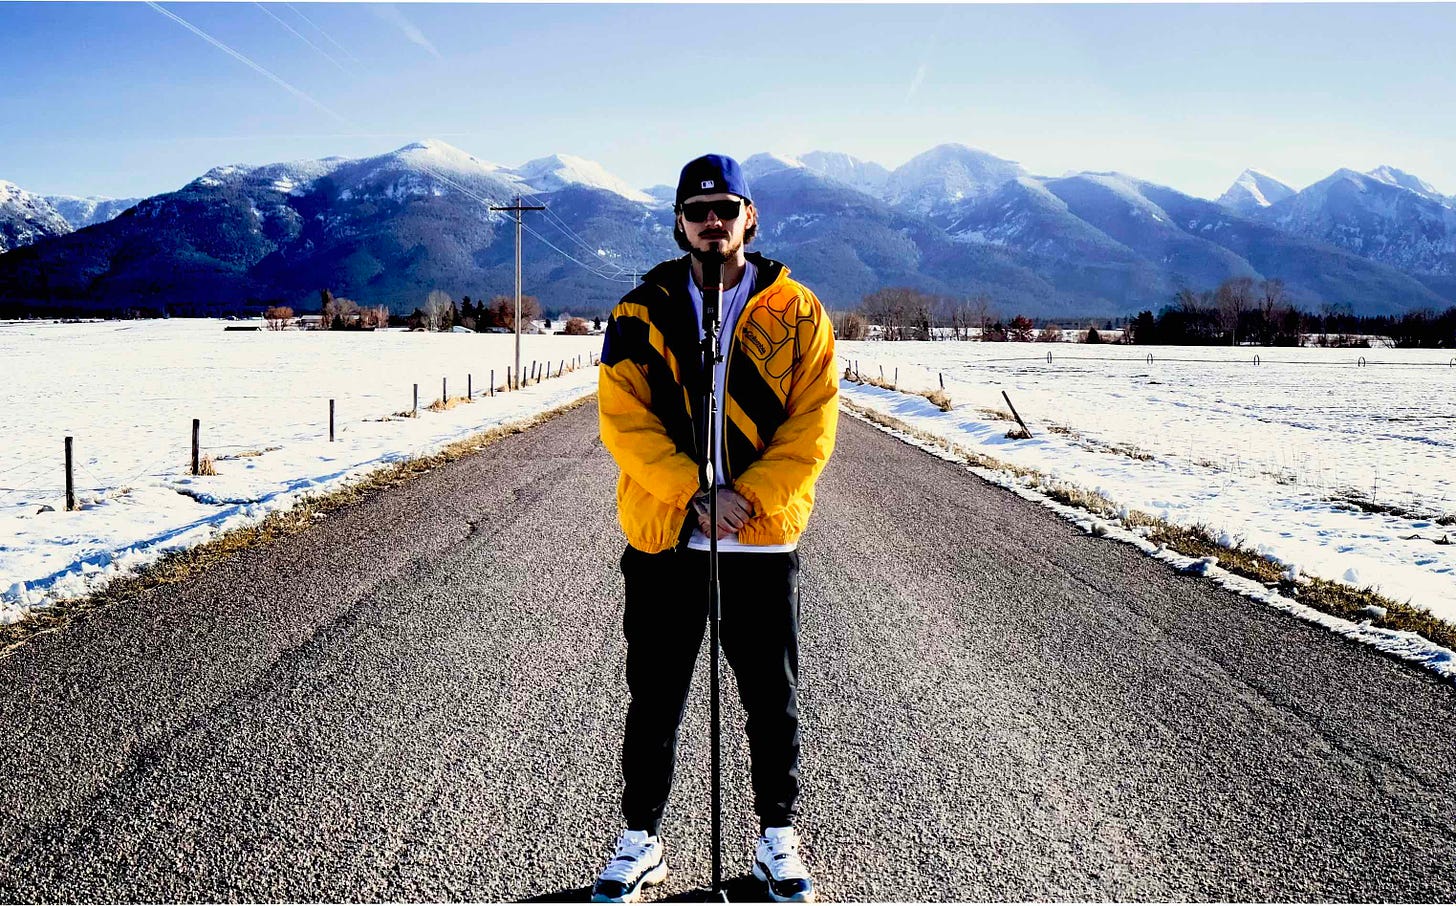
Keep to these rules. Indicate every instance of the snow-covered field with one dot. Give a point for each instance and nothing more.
(1303, 456)
(128, 391)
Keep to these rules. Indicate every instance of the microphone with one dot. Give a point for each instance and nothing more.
(712, 294)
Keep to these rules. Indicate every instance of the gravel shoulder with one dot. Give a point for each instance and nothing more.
(420, 698)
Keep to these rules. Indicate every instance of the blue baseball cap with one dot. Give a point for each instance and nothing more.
(709, 175)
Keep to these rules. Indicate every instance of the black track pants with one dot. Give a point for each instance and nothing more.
(665, 621)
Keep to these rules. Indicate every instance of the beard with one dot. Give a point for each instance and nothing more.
(727, 249)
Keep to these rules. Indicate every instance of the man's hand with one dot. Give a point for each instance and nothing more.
(733, 511)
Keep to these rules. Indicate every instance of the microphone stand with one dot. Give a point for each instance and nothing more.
(712, 298)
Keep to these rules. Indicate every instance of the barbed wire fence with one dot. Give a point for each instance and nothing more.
(1298, 468)
(46, 474)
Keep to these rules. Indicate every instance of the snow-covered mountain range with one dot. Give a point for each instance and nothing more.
(1385, 215)
(954, 219)
(26, 217)
(82, 212)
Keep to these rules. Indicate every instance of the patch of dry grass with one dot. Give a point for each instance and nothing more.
(1365, 504)
(447, 405)
(248, 454)
(1335, 598)
(939, 398)
(205, 466)
(179, 566)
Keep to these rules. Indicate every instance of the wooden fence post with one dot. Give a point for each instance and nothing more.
(470, 387)
(196, 444)
(331, 421)
(444, 391)
(1017, 414)
(70, 479)
(492, 382)
(416, 409)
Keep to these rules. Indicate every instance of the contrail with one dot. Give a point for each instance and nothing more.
(391, 14)
(303, 39)
(327, 36)
(923, 69)
(242, 59)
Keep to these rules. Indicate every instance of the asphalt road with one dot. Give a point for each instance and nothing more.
(420, 699)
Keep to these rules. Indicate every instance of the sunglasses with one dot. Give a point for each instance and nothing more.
(697, 211)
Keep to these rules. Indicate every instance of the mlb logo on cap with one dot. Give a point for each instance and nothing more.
(707, 184)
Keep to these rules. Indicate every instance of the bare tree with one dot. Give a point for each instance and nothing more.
(849, 325)
(1271, 295)
(1234, 297)
(436, 310)
(1051, 333)
(346, 313)
(376, 317)
(902, 312)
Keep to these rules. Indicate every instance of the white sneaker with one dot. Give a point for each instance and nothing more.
(639, 861)
(776, 862)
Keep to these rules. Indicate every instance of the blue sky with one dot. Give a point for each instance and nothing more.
(118, 99)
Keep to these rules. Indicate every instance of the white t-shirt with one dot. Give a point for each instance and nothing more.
(731, 307)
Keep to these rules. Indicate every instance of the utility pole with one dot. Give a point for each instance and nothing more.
(518, 208)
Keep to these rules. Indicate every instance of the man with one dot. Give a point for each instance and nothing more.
(778, 395)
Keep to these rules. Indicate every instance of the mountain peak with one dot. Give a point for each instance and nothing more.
(1392, 176)
(947, 174)
(556, 171)
(766, 162)
(864, 175)
(433, 152)
(26, 217)
(1253, 190)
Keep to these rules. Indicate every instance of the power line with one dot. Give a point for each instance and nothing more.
(492, 202)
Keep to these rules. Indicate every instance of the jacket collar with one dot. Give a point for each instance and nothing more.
(672, 275)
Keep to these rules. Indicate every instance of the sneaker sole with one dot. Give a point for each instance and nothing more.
(651, 879)
(762, 875)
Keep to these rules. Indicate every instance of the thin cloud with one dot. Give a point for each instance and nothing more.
(391, 14)
(916, 82)
(244, 60)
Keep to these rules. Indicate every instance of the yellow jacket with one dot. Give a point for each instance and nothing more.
(781, 405)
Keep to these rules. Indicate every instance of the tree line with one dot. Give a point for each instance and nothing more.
(905, 313)
(1238, 311)
(440, 312)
